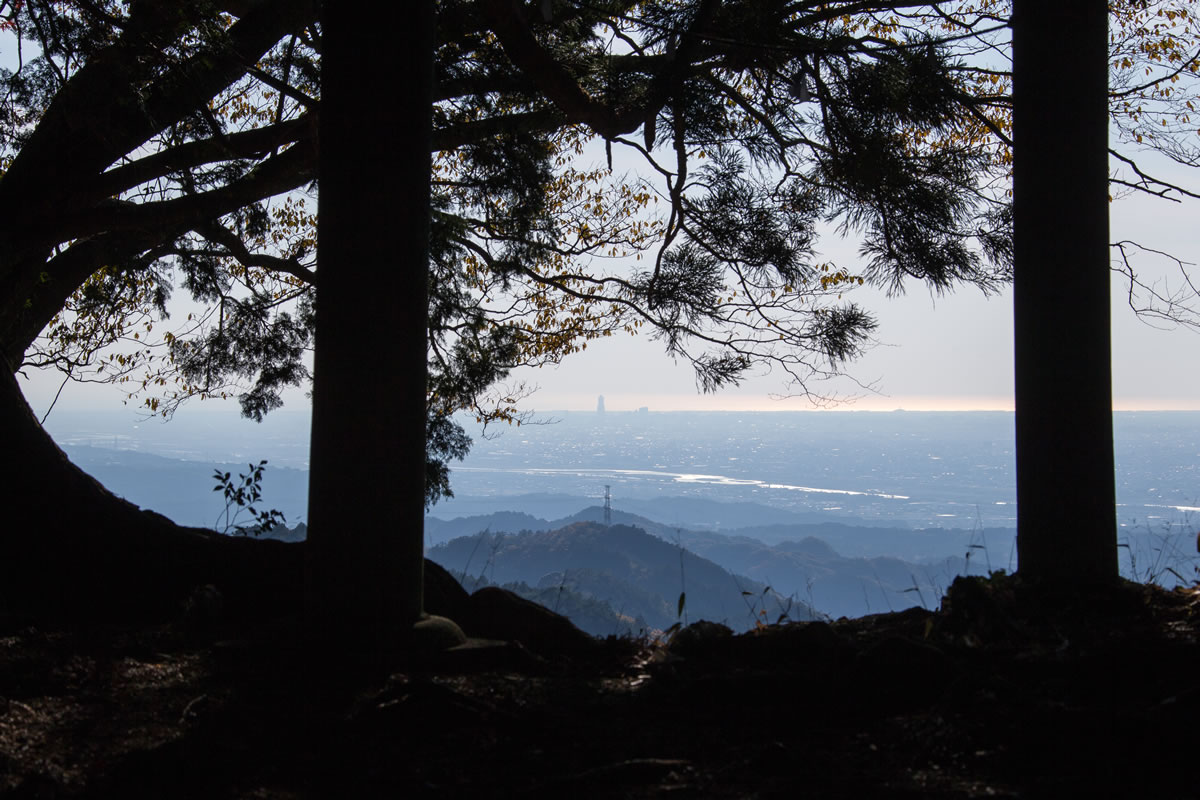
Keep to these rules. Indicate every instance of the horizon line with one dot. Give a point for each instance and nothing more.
(841, 409)
(837, 410)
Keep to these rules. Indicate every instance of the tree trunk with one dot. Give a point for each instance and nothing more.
(366, 490)
(1066, 507)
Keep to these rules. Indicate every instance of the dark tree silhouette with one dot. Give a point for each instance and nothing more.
(1066, 508)
(121, 174)
(123, 180)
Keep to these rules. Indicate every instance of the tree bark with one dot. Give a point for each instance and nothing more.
(1066, 507)
(366, 484)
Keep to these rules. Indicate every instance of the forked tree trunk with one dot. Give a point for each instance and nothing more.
(1066, 507)
(366, 490)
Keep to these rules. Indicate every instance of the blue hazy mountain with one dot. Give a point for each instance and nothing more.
(183, 490)
(794, 564)
(917, 486)
(686, 510)
(910, 469)
(994, 545)
(636, 574)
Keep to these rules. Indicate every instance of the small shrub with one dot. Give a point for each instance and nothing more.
(240, 496)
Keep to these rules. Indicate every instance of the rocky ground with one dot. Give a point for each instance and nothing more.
(989, 696)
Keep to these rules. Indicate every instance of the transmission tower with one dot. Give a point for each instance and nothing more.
(607, 506)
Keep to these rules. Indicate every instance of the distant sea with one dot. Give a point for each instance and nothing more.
(902, 468)
(926, 469)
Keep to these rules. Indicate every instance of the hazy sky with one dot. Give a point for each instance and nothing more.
(952, 352)
(947, 353)
(937, 353)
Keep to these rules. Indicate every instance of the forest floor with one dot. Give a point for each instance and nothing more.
(985, 697)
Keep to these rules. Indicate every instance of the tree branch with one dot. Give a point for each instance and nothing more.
(219, 234)
(245, 144)
(289, 170)
(1150, 184)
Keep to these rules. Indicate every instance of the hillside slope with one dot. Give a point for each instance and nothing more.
(804, 568)
(637, 574)
(991, 696)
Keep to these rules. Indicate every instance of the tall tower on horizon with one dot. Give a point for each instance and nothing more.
(600, 404)
(607, 505)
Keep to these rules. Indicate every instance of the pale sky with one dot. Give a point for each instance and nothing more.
(947, 353)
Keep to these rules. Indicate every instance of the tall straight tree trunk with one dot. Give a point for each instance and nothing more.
(366, 490)
(1066, 506)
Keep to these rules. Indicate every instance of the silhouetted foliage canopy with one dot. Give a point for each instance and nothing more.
(160, 148)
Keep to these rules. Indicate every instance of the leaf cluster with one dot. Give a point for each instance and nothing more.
(241, 495)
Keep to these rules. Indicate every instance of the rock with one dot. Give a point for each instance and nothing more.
(701, 638)
(203, 609)
(433, 633)
(490, 655)
(817, 637)
(444, 596)
(495, 613)
(800, 645)
(897, 671)
(970, 613)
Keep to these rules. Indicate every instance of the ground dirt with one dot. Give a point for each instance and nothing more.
(989, 696)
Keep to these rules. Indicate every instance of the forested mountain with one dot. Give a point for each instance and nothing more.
(637, 574)
(586, 611)
(803, 568)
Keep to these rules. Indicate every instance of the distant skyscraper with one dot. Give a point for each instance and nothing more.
(600, 405)
(607, 506)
